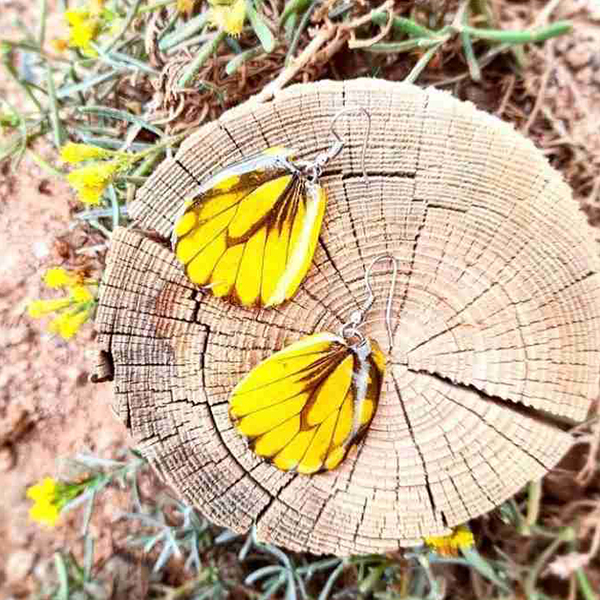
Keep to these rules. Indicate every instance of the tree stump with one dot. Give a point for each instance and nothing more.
(495, 320)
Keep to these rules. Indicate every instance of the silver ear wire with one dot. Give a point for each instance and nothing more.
(322, 159)
(350, 328)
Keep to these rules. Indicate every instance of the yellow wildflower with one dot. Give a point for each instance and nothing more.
(47, 514)
(90, 181)
(82, 37)
(83, 29)
(73, 153)
(45, 490)
(46, 497)
(58, 277)
(449, 545)
(81, 294)
(68, 324)
(228, 15)
(50, 497)
(39, 308)
(185, 6)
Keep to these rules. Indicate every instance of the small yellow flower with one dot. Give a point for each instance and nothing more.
(44, 491)
(228, 15)
(185, 6)
(73, 153)
(45, 496)
(84, 27)
(46, 514)
(58, 277)
(449, 545)
(40, 308)
(81, 294)
(91, 181)
(50, 497)
(68, 324)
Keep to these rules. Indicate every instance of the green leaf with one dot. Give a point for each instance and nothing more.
(260, 28)
(235, 63)
(482, 566)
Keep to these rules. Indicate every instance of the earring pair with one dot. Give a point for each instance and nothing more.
(249, 236)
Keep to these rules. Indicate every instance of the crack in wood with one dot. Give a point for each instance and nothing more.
(487, 398)
(372, 174)
(417, 447)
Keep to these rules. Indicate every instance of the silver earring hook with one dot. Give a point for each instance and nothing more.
(350, 328)
(322, 159)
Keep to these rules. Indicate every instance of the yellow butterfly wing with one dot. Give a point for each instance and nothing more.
(305, 406)
(250, 233)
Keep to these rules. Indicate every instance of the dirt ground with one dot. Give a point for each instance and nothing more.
(47, 407)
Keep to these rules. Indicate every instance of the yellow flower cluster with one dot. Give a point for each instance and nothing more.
(91, 180)
(449, 545)
(50, 497)
(85, 24)
(228, 15)
(74, 308)
(58, 278)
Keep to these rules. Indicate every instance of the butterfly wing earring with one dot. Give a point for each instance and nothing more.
(250, 232)
(306, 406)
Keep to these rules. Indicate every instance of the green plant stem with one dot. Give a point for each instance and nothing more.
(293, 7)
(184, 32)
(203, 54)
(30, 47)
(470, 57)
(43, 15)
(63, 577)
(59, 134)
(404, 46)
(153, 151)
(22, 84)
(234, 64)
(298, 34)
(263, 33)
(584, 585)
(566, 535)
(519, 37)
(403, 25)
(44, 164)
(422, 63)
(435, 591)
(533, 504)
(133, 11)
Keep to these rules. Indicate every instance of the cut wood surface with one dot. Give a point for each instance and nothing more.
(495, 320)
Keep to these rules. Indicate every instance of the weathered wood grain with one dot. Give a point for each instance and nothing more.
(496, 320)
